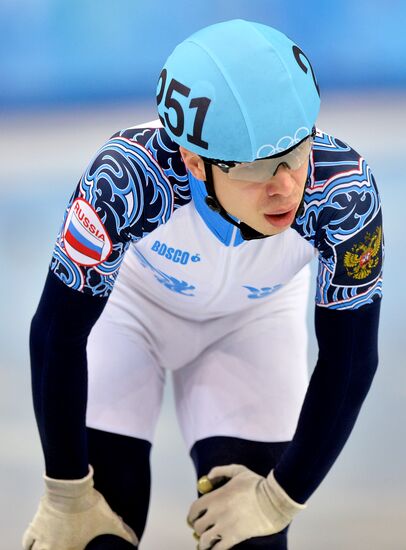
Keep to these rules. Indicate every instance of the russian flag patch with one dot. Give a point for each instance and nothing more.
(85, 237)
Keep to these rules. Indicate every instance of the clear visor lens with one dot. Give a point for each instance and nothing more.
(263, 170)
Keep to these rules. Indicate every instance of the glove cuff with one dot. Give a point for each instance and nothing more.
(286, 505)
(69, 488)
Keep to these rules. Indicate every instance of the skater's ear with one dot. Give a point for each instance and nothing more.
(193, 163)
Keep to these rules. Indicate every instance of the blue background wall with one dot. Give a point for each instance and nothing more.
(88, 50)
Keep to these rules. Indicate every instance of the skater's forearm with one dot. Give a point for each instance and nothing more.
(348, 357)
(58, 337)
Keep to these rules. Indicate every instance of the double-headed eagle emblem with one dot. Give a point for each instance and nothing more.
(364, 256)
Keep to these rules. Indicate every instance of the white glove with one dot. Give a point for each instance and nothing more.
(70, 514)
(247, 506)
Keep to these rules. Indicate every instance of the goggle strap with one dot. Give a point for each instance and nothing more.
(247, 232)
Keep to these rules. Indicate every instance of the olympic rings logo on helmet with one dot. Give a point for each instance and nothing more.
(264, 168)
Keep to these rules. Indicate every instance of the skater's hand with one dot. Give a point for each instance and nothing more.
(246, 506)
(70, 514)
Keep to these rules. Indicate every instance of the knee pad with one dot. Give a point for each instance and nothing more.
(258, 456)
(122, 474)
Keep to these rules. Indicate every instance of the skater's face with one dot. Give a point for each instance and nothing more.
(268, 206)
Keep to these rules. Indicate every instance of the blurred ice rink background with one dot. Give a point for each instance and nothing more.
(71, 74)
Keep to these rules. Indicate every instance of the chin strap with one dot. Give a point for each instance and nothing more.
(247, 232)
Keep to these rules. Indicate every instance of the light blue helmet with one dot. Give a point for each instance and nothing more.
(238, 91)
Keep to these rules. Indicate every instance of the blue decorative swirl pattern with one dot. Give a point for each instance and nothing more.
(134, 184)
(166, 153)
(341, 199)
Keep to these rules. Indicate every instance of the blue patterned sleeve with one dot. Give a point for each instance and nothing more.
(343, 219)
(122, 195)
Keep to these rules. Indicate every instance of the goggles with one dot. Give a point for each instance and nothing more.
(263, 169)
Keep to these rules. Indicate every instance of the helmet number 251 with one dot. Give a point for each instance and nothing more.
(201, 104)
